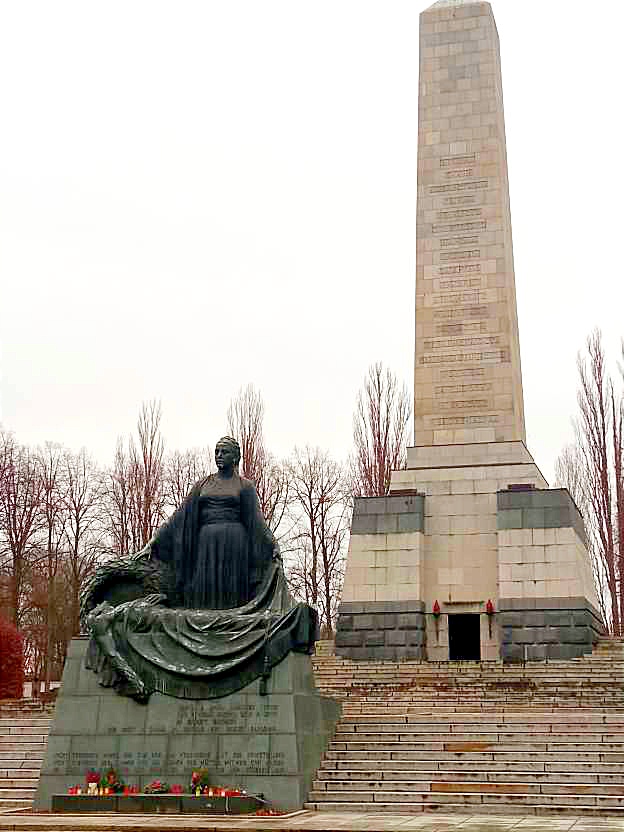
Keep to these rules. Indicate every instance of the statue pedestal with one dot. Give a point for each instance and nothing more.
(265, 744)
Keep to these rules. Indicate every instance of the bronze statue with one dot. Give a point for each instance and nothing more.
(203, 609)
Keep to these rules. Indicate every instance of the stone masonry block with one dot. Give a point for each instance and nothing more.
(387, 523)
(416, 638)
(363, 622)
(396, 638)
(411, 621)
(385, 621)
(374, 639)
(364, 524)
(355, 639)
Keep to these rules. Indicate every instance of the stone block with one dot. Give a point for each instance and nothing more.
(410, 621)
(363, 622)
(345, 622)
(364, 524)
(525, 635)
(509, 519)
(512, 652)
(396, 638)
(416, 638)
(547, 635)
(578, 635)
(385, 621)
(533, 518)
(374, 639)
(537, 652)
(410, 522)
(387, 523)
(349, 639)
(582, 618)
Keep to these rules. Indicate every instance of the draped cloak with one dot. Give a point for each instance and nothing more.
(223, 615)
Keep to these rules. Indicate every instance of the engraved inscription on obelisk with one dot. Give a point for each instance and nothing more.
(468, 383)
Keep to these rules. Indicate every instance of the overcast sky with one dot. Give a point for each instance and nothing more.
(198, 195)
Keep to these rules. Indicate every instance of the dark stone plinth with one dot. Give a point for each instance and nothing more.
(269, 745)
(387, 515)
(537, 508)
(83, 803)
(381, 631)
(534, 629)
(157, 804)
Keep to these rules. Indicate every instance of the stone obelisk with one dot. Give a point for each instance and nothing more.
(467, 385)
(470, 556)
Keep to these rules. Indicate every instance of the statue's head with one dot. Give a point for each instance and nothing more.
(227, 453)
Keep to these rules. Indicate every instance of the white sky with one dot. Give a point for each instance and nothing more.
(198, 195)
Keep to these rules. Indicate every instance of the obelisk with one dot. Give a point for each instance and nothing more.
(470, 556)
(468, 383)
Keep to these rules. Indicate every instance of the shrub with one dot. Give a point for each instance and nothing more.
(11, 661)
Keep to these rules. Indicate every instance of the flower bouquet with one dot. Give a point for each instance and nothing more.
(200, 781)
(111, 783)
(157, 787)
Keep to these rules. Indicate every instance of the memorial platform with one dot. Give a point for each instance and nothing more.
(324, 822)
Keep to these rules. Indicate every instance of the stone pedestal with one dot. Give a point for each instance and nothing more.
(266, 744)
(464, 525)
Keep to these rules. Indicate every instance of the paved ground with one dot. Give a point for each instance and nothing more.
(301, 821)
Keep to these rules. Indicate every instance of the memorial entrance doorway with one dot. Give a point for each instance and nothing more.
(464, 637)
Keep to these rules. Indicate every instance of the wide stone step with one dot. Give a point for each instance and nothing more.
(22, 746)
(369, 800)
(511, 755)
(23, 730)
(614, 781)
(474, 742)
(411, 726)
(468, 786)
(345, 761)
(14, 759)
(16, 771)
(19, 783)
(487, 808)
(12, 805)
(14, 793)
(494, 722)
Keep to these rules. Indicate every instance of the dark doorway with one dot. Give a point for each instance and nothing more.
(464, 637)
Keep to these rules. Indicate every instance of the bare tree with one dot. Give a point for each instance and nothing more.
(594, 431)
(20, 517)
(146, 463)
(181, 470)
(53, 491)
(120, 526)
(593, 472)
(380, 431)
(135, 495)
(321, 509)
(83, 528)
(570, 474)
(245, 419)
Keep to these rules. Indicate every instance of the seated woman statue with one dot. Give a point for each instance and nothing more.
(203, 609)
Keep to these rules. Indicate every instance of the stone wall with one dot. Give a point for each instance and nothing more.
(542, 550)
(385, 558)
(386, 630)
(535, 629)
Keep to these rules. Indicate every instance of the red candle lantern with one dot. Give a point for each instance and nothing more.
(489, 611)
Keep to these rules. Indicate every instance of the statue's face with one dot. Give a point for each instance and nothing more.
(224, 456)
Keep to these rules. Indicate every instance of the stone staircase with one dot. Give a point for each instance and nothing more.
(472, 737)
(24, 726)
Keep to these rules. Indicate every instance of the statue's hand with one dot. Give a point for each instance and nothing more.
(277, 555)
